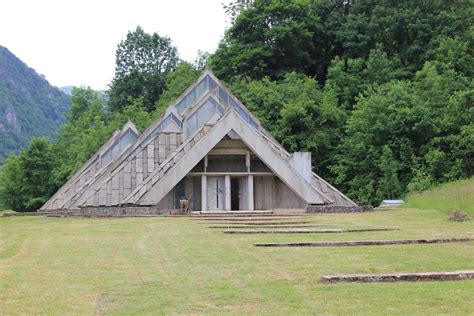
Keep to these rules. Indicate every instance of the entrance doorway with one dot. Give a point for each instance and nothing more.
(215, 193)
(234, 194)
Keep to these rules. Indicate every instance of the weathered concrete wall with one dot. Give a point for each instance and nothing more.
(122, 211)
(134, 171)
(327, 189)
(167, 203)
(301, 161)
(272, 193)
(338, 209)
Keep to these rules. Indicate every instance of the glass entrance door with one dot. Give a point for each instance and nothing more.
(215, 193)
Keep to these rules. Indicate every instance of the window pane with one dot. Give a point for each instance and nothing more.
(211, 84)
(201, 116)
(224, 96)
(226, 163)
(234, 105)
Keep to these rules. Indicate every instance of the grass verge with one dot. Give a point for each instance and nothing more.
(177, 266)
(446, 198)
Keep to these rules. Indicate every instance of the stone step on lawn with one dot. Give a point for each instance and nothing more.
(270, 226)
(352, 243)
(308, 231)
(258, 223)
(401, 277)
(244, 219)
(232, 213)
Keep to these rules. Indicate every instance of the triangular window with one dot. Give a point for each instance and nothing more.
(127, 138)
(206, 84)
(203, 114)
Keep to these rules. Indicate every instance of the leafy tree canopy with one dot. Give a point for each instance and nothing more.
(26, 178)
(406, 132)
(271, 37)
(142, 62)
(297, 112)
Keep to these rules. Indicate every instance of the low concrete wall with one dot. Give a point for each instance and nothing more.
(110, 211)
(20, 214)
(123, 211)
(153, 210)
(338, 209)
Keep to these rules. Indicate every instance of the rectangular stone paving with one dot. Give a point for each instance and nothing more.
(401, 277)
(364, 242)
(307, 231)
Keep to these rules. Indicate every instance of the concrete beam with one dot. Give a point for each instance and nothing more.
(250, 193)
(227, 193)
(203, 193)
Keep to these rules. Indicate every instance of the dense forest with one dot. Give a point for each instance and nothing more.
(29, 105)
(380, 92)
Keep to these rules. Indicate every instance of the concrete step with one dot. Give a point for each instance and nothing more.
(231, 213)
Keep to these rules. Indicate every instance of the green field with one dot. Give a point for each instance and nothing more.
(446, 197)
(179, 266)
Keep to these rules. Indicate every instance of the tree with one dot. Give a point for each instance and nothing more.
(177, 81)
(269, 38)
(10, 184)
(26, 178)
(350, 77)
(87, 128)
(389, 167)
(272, 37)
(85, 100)
(142, 62)
(297, 113)
(408, 29)
(36, 164)
(411, 132)
(201, 61)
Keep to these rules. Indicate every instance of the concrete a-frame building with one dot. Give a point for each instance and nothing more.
(208, 147)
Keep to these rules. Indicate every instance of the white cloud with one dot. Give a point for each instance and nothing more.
(74, 42)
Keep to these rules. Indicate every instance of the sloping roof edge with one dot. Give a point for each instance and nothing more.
(116, 135)
(145, 194)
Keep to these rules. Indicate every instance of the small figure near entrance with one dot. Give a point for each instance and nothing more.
(184, 202)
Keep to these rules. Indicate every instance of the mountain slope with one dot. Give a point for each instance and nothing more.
(29, 105)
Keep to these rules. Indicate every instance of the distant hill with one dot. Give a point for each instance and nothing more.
(29, 105)
(67, 89)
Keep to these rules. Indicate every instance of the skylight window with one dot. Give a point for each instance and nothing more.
(202, 115)
(205, 85)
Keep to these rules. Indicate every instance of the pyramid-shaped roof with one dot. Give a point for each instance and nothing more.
(145, 170)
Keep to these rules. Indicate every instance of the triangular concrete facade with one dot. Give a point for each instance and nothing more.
(150, 192)
(144, 173)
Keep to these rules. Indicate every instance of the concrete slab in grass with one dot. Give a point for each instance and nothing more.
(401, 277)
(364, 242)
(307, 231)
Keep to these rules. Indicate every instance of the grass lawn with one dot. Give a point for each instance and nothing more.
(456, 195)
(179, 266)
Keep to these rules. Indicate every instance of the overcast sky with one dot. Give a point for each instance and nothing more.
(74, 42)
